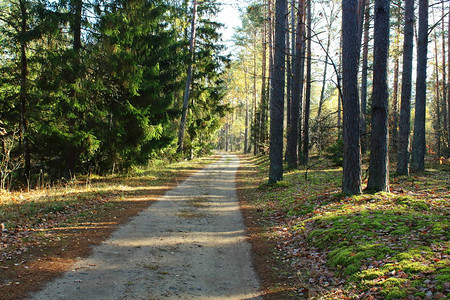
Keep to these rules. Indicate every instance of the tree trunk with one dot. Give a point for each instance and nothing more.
(364, 71)
(258, 136)
(448, 91)
(379, 162)
(351, 181)
(255, 94)
(288, 77)
(394, 121)
(246, 111)
(418, 149)
(302, 58)
(444, 83)
(304, 158)
(277, 95)
(437, 127)
(23, 94)
(405, 106)
(293, 130)
(324, 80)
(182, 127)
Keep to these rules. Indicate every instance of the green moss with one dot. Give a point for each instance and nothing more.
(396, 293)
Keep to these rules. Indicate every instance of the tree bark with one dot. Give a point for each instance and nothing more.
(277, 95)
(444, 83)
(259, 133)
(182, 127)
(351, 181)
(305, 153)
(379, 162)
(448, 91)
(405, 106)
(23, 93)
(246, 110)
(418, 148)
(394, 122)
(293, 130)
(302, 58)
(437, 127)
(364, 71)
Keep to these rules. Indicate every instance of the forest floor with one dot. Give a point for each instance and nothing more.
(325, 245)
(308, 241)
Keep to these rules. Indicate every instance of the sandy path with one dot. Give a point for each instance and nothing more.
(190, 244)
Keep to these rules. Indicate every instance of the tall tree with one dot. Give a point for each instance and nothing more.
(305, 153)
(351, 181)
(418, 147)
(277, 95)
(264, 97)
(448, 90)
(405, 106)
(301, 34)
(184, 111)
(293, 130)
(24, 83)
(379, 162)
(364, 72)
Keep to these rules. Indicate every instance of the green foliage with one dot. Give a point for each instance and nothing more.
(115, 101)
(334, 152)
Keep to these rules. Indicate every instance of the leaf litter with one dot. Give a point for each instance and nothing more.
(372, 246)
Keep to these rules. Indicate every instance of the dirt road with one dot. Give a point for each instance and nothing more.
(190, 244)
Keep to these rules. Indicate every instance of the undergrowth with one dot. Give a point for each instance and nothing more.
(372, 246)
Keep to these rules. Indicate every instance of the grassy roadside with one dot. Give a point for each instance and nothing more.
(44, 231)
(373, 246)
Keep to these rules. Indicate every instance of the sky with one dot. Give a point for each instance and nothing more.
(230, 16)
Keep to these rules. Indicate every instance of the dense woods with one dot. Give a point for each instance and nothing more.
(361, 86)
(96, 87)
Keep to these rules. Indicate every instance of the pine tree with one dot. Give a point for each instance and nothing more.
(379, 162)
(277, 95)
(418, 148)
(405, 106)
(351, 182)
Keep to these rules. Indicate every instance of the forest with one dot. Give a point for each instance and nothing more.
(366, 79)
(97, 87)
(339, 112)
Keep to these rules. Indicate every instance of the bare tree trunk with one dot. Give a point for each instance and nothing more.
(182, 127)
(324, 80)
(379, 162)
(365, 68)
(288, 77)
(301, 56)
(305, 157)
(448, 91)
(444, 83)
(394, 121)
(418, 149)
(351, 181)
(340, 95)
(405, 106)
(255, 94)
(246, 110)
(259, 136)
(23, 94)
(277, 95)
(293, 130)
(437, 127)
